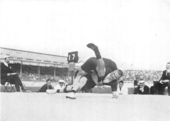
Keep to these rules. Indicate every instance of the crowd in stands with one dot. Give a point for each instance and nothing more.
(30, 73)
(148, 75)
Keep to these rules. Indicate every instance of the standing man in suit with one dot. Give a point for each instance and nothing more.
(164, 83)
(8, 75)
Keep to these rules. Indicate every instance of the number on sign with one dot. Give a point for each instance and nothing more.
(73, 57)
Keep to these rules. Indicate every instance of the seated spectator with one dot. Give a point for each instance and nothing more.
(46, 86)
(59, 88)
(135, 83)
(142, 88)
(153, 89)
(8, 75)
(60, 85)
(121, 89)
(164, 83)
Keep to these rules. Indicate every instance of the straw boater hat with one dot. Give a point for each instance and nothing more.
(61, 81)
(141, 81)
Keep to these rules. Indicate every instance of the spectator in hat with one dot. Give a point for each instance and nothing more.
(8, 75)
(142, 88)
(164, 82)
(60, 85)
(58, 88)
(153, 88)
(46, 86)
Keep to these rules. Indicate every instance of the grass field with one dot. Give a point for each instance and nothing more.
(96, 106)
(87, 107)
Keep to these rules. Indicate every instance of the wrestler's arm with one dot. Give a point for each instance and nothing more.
(113, 85)
(114, 88)
(108, 78)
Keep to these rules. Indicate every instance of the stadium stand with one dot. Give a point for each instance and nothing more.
(30, 72)
(36, 66)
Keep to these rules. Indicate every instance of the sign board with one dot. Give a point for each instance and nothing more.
(73, 57)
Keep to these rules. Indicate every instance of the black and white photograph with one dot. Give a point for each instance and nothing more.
(85, 60)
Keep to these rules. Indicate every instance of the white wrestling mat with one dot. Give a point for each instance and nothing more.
(87, 107)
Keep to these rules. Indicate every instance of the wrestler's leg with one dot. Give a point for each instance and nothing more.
(100, 63)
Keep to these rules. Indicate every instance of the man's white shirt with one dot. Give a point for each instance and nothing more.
(122, 91)
(58, 87)
(6, 64)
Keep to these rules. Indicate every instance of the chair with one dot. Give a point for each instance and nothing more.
(12, 87)
(8, 85)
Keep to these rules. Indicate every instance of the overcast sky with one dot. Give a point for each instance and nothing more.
(133, 33)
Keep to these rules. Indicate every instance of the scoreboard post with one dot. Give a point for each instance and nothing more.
(72, 59)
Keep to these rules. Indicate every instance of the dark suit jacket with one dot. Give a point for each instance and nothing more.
(44, 88)
(135, 83)
(153, 90)
(138, 91)
(5, 70)
(165, 76)
(160, 86)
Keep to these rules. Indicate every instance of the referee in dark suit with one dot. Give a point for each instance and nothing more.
(164, 82)
(8, 75)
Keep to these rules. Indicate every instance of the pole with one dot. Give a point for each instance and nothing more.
(21, 69)
(71, 71)
(54, 71)
(39, 71)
